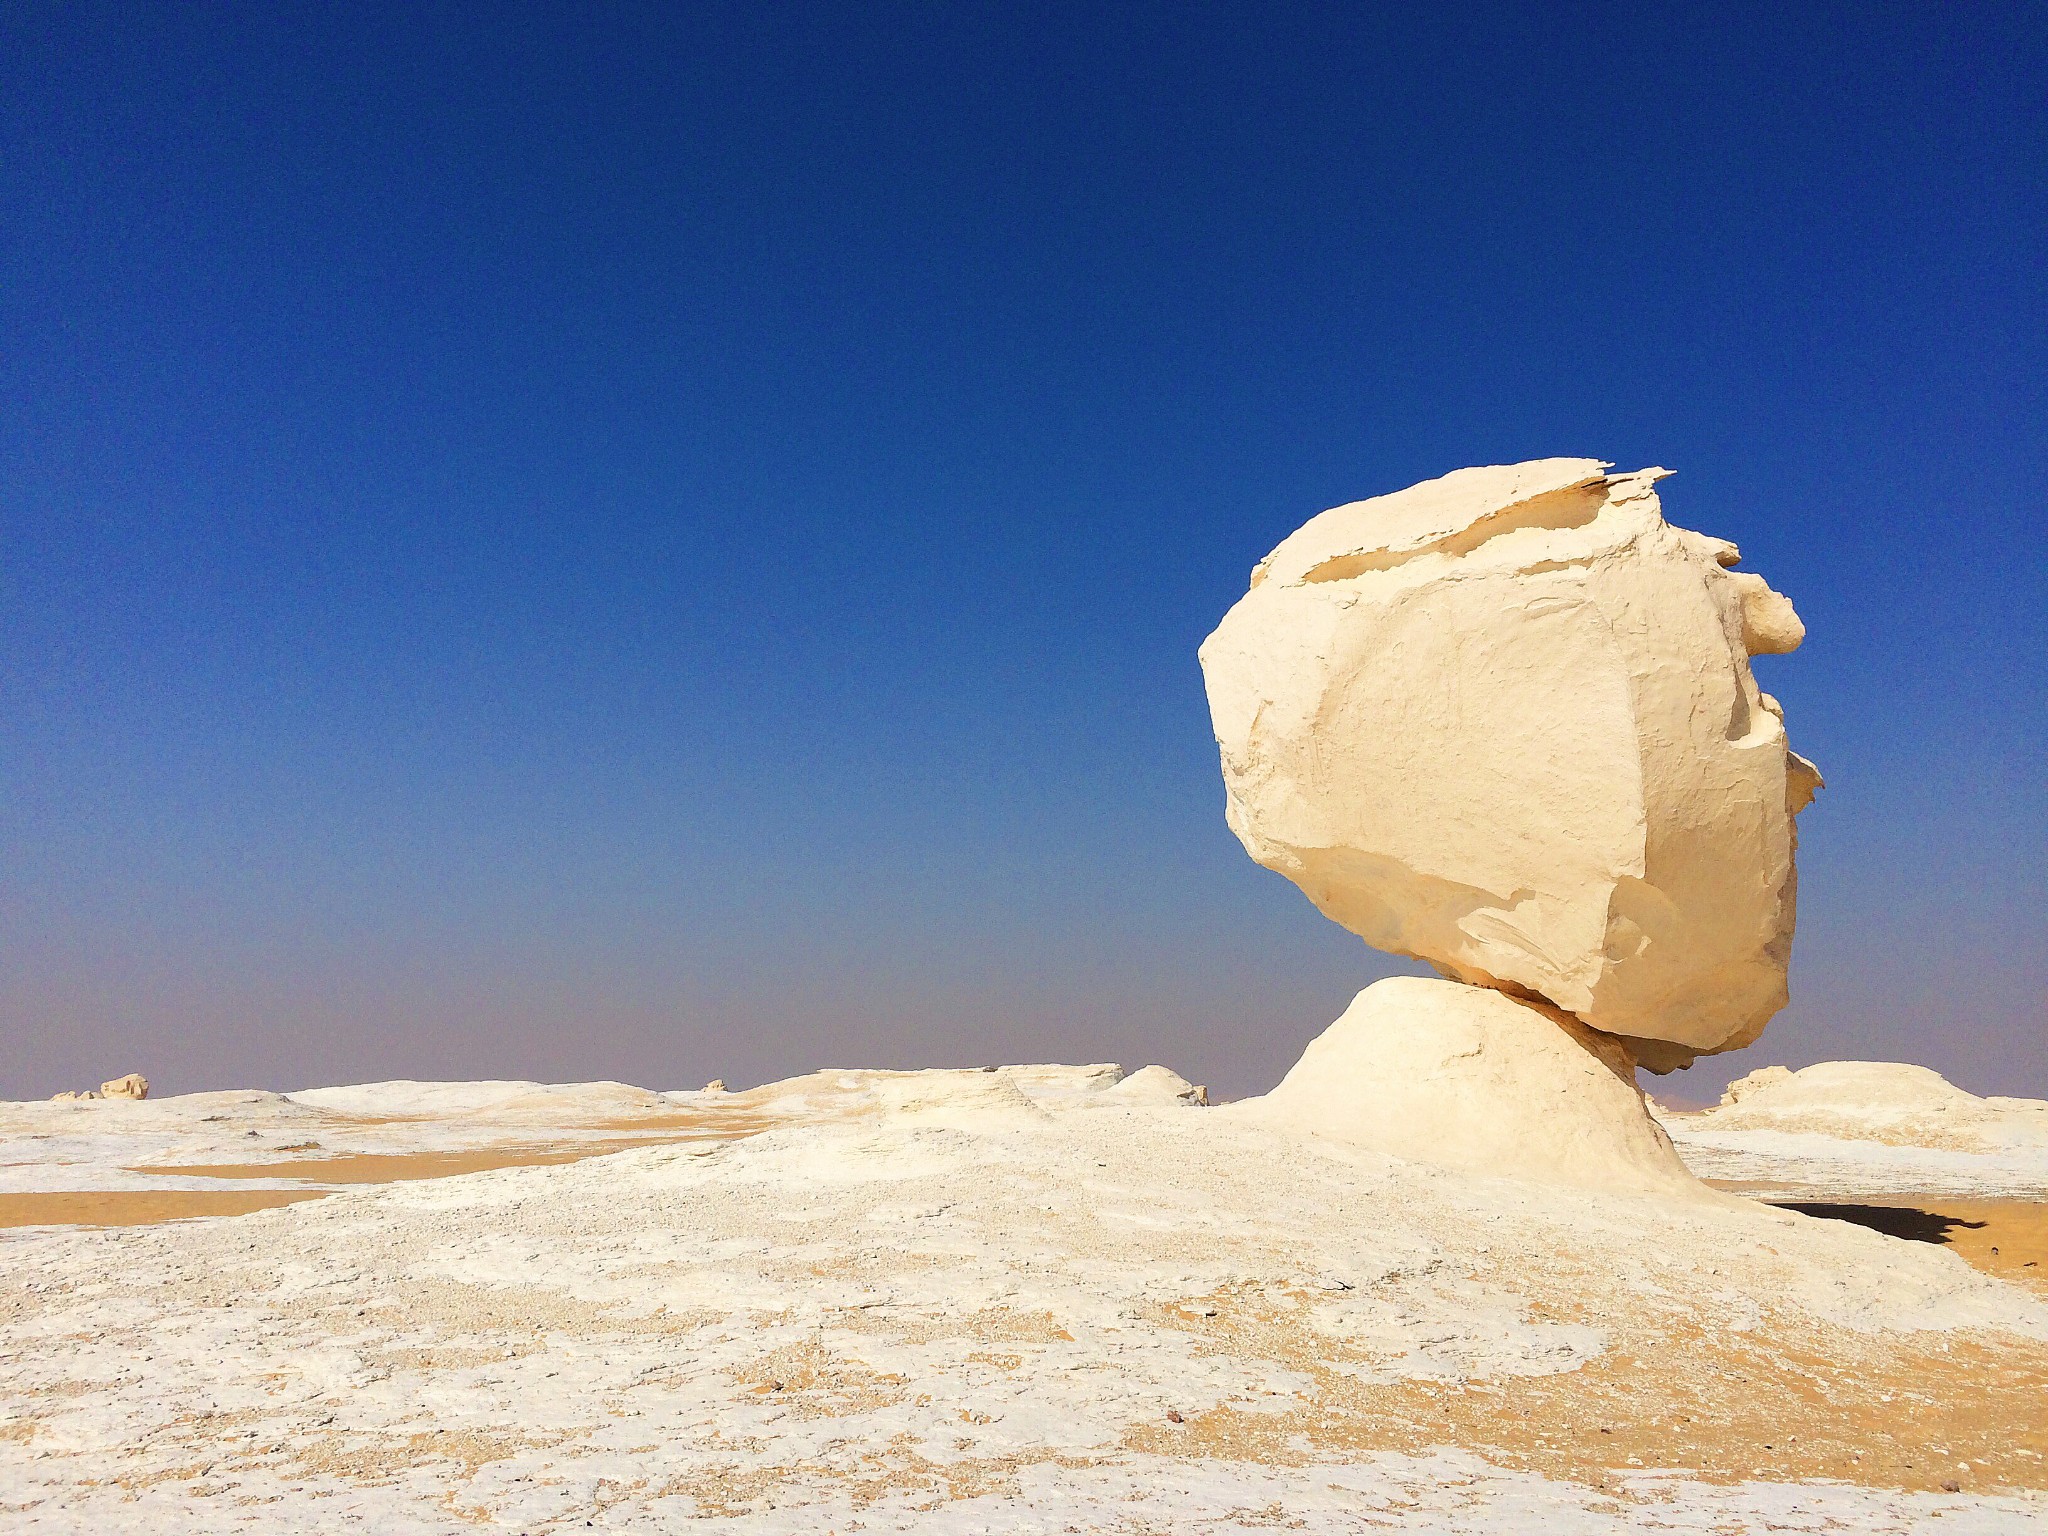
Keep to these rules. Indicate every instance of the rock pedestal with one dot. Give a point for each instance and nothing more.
(1468, 1078)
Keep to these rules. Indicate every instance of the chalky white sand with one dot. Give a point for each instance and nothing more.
(1039, 1299)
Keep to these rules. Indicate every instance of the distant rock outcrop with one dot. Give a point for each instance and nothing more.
(1883, 1101)
(133, 1086)
(1157, 1085)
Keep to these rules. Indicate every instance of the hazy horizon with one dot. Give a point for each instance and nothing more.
(651, 546)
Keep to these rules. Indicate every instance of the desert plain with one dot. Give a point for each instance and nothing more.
(1019, 1299)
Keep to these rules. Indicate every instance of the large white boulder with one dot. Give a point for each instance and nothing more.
(1505, 722)
(1472, 1079)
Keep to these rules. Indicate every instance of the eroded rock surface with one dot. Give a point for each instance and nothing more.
(1505, 722)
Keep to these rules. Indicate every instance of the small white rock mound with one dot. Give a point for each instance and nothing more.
(1468, 1078)
(1883, 1101)
(1157, 1085)
(1504, 722)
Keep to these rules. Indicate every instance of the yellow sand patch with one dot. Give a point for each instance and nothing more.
(395, 1167)
(138, 1207)
(1787, 1400)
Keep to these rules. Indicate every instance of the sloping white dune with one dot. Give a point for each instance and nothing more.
(1866, 1128)
(842, 1091)
(1884, 1101)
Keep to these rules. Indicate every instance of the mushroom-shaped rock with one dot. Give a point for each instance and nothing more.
(1505, 722)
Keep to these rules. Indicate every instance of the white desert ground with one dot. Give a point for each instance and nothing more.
(1025, 1299)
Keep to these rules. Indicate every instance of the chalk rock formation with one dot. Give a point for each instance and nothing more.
(1026, 1090)
(1470, 1078)
(1504, 721)
(133, 1086)
(1884, 1101)
(1157, 1085)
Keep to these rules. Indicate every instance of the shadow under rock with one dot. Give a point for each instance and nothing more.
(1892, 1220)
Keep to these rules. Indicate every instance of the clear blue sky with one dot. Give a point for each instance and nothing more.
(664, 542)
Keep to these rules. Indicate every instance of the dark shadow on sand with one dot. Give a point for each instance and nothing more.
(1892, 1220)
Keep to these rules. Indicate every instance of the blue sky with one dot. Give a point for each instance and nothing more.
(670, 542)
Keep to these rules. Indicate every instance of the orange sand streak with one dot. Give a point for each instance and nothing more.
(138, 1207)
(396, 1167)
(1788, 1401)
